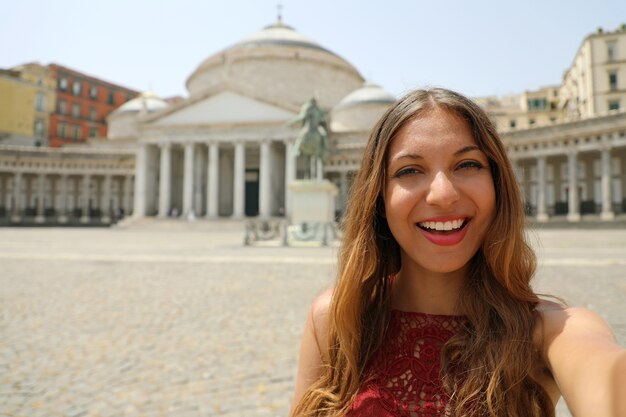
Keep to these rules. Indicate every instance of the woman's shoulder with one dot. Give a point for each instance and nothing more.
(318, 316)
(560, 324)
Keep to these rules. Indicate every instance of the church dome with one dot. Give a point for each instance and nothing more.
(359, 110)
(123, 123)
(146, 102)
(280, 65)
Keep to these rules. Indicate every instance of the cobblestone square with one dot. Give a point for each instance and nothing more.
(178, 319)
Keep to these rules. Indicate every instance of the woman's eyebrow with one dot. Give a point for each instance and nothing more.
(467, 149)
(408, 155)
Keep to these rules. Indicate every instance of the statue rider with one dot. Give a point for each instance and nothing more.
(312, 140)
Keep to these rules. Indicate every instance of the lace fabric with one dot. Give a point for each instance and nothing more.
(402, 378)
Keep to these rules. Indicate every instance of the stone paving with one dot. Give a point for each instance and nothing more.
(177, 319)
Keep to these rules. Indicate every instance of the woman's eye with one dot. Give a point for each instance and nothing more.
(406, 171)
(471, 165)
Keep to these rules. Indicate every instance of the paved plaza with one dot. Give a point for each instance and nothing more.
(167, 318)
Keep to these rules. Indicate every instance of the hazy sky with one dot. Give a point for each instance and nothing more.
(478, 47)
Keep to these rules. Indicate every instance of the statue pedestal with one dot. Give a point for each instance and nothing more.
(312, 201)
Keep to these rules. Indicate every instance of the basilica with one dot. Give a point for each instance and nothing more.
(225, 151)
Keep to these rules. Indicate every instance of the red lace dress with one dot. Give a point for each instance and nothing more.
(402, 378)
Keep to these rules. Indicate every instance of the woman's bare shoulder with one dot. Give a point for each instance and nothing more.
(558, 318)
(319, 318)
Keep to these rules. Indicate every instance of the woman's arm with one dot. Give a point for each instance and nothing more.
(314, 345)
(588, 365)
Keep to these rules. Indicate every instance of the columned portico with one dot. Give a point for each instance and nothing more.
(239, 180)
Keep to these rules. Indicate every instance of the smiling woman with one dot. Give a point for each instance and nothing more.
(433, 313)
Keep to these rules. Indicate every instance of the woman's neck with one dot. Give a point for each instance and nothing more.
(426, 291)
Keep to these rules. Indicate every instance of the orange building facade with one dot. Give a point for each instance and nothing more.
(82, 104)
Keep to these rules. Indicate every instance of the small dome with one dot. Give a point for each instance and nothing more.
(145, 102)
(123, 123)
(369, 93)
(359, 110)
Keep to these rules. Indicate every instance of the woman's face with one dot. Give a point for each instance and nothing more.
(439, 195)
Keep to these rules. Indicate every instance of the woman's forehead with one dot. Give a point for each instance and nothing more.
(432, 130)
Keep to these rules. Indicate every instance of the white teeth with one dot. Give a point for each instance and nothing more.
(443, 226)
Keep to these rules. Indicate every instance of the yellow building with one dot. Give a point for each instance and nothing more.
(27, 97)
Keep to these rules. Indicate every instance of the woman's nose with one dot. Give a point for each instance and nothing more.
(442, 191)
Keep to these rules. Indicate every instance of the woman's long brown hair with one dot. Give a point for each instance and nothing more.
(487, 367)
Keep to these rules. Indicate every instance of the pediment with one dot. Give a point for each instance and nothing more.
(226, 107)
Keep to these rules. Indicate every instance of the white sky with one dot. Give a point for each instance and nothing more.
(479, 47)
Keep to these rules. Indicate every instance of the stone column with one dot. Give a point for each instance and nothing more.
(290, 175)
(343, 189)
(197, 182)
(17, 197)
(542, 210)
(141, 181)
(41, 195)
(265, 189)
(573, 214)
(607, 198)
(165, 180)
(62, 211)
(213, 181)
(3, 191)
(128, 206)
(239, 183)
(86, 194)
(105, 207)
(188, 182)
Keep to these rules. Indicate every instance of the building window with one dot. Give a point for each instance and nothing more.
(611, 50)
(613, 80)
(63, 83)
(62, 130)
(536, 104)
(531, 122)
(62, 107)
(38, 128)
(93, 132)
(40, 102)
(512, 124)
(92, 113)
(613, 105)
(93, 92)
(76, 110)
(111, 98)
(76, 132)
(77, 88)
(553, 120)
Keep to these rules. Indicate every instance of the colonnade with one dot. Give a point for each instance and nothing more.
(213, 177)
(574, 183)
(64, 197)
